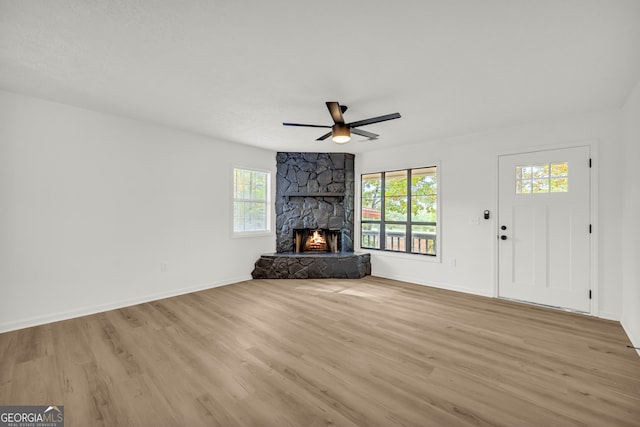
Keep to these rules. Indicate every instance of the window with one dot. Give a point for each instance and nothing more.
(251, 210)
(542, 178)
(399, 210)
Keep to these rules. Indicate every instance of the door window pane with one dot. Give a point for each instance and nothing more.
(559, 185)
(560, 169)
(523, 172)
(541, 185)
(540, 171)
(542, 178)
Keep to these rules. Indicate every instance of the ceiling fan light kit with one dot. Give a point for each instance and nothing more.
(341, 131)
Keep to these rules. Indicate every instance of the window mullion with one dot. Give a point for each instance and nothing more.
(407, 243)
(383, 237)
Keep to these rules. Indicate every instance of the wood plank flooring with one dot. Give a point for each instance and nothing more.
(366, 352)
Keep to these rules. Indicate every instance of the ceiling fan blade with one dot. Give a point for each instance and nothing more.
(325, 136)
(336, 112)
(369, 135)
(308, 126)
(374, 120)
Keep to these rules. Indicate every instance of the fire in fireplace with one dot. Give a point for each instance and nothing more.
(316, 240)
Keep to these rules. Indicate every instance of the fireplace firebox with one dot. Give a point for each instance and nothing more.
(317, 240)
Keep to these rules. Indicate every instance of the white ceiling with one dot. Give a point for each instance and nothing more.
(236, 69)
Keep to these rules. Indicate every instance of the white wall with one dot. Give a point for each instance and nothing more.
(93, 204)
(631, 218)
(469, 186)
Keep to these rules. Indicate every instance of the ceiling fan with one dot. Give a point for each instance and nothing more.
(341, 131)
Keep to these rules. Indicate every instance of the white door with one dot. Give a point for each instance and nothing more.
(544, 227)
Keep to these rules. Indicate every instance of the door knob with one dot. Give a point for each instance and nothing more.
(504, 227)
(503, 237)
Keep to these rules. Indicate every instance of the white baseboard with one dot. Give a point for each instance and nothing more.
(608, 316)
(439, 285)
(634, 336)
(99, 308)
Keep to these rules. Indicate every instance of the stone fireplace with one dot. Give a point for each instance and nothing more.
(314, 219)
(315, 191)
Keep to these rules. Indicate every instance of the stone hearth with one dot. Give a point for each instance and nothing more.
(312, 266)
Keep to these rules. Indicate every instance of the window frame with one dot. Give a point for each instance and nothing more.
(409, 222)
(268, 205)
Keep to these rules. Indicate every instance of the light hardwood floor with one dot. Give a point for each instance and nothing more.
(367, 352)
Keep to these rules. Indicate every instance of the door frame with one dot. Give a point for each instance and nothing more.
(593, 145)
